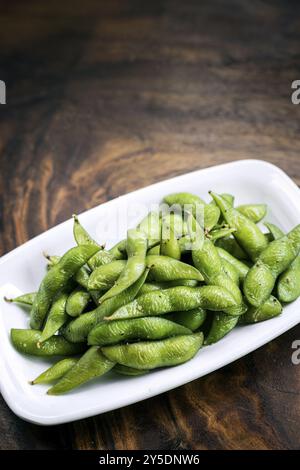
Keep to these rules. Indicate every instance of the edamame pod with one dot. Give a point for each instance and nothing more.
(191, 319)
(274, 231)
(91, 365)
(254, 212)
(82, 237)
(25, 299)
(232, 247)
(247, 233)
(57, 317)
(56, 279)
(78, 329)
(164, 268)
(130, 371)
(270, 309)
(169, 245)
(240, 267)
(135, 265)
(104, 277)
(25, 341)
(231, 271)
(288, 287)
(176, 299)
(151, 227)
(275, 259)
(118, 331)
(155, 250)
(221, 325)
(118, 251)
(153, 354)
(197, 206)
(77, 302)
(55, 372)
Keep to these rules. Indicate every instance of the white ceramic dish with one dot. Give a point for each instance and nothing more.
(21, 271)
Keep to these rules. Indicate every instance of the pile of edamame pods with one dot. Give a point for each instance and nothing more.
(153, 300)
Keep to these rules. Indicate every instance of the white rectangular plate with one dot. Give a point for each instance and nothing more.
(22, 269)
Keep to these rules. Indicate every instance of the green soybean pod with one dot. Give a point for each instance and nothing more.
(254, 212)
(288, 287)
(176, 223)
(274, 260)
(26, 342)
(169, 244)
(152, 354)
(150, 328)
(270, 309)
(91, 365)
(176, 299)
(149, 287)
(220, 232)
(118, 251)
(55, 372)
(82, 237)
(77, 302)
(164, 268)
(231, 271)
(274, 231)
(78, 329)
(240, 267)
(57, 279)
(191, 319)
(151, 227)
(221, 325)
(24, 299)
(56, 318)
(197, 205)
(104, 277)
(247, 233)
(209, 263)
(232, 247)
(129, 371)
(155, 250)
(135, 265)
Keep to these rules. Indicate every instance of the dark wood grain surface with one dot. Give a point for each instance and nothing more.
(104, 97)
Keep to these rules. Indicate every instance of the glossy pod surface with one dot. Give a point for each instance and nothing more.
(26, 342)
(153, 354)
(134, 329)
(56, 371)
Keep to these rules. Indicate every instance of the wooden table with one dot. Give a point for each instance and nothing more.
(107, 97)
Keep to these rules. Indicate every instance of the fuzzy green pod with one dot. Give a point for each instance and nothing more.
(231, 271)
(78, 329)
(240, 267)
(118, 251)
(254, 212)
(56, 318)
(105, 276)
(169, 245)
(209, 263)
(191, 319)
(164, 268)
(247, 233)
(153, 354)
(82, 237)
(91, 365)
(149, 328)
(232, 247)
(77, 302)
(129, 371)
(274, 231)
(176, 299)
(275, 259)
(26, 342)
(155, 250)
(288, 287)
(55, 372)
(135, 265)
(198, 207)
(221, 325)
(151, 227)
(57, 279)
(270, 309)
(24, 299)
(221, 232)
